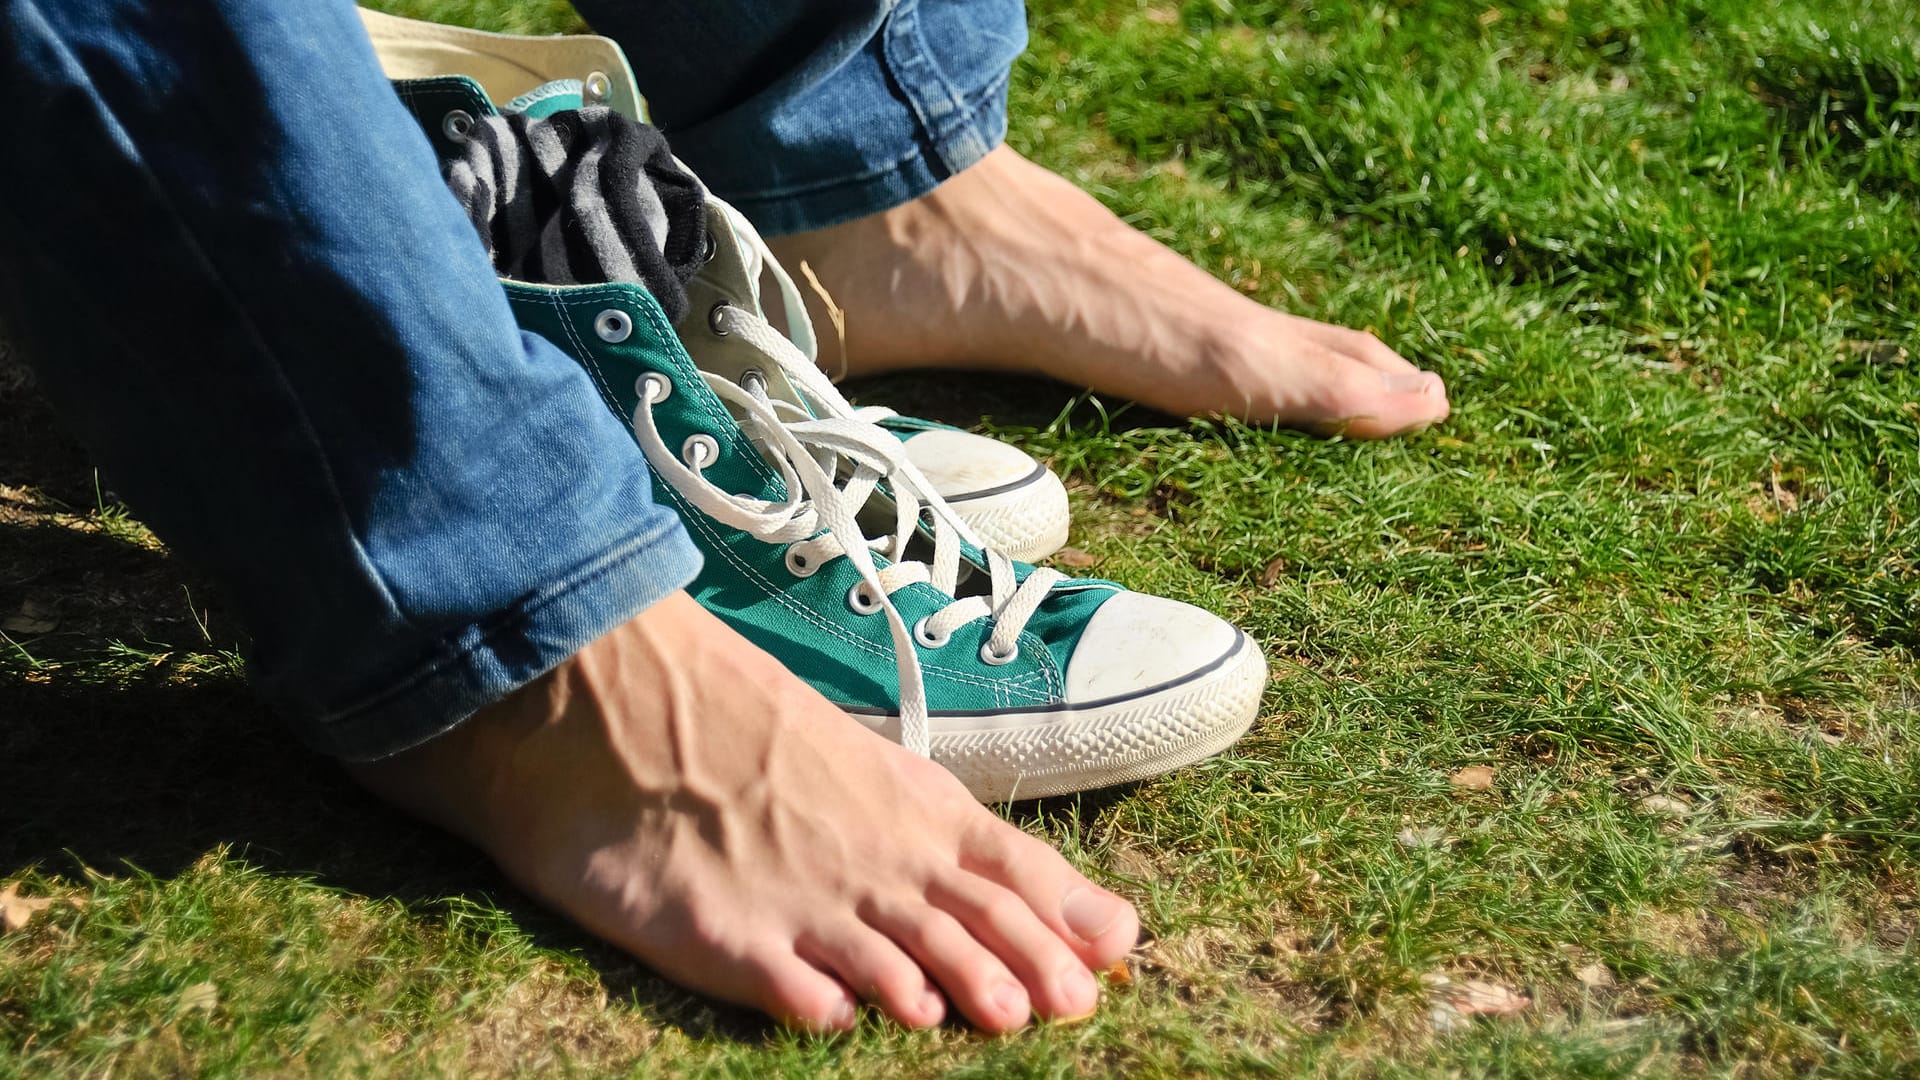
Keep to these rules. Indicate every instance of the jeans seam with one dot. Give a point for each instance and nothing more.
(940, 148)
(814, 187)
(909, 63)
(947, 138)
(506, 620)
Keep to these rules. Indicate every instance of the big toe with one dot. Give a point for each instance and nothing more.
(1371, 404)
(1105, 927)
(1100, 927)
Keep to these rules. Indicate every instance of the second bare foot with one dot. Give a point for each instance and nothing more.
(1007, 266)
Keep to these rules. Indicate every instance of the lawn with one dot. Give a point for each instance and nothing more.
(1658, 579)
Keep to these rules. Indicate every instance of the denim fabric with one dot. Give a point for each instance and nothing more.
(807, 113)
(231, 259)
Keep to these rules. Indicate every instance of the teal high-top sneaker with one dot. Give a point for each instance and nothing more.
(828, 548)
(449, 75)
(1011, 502)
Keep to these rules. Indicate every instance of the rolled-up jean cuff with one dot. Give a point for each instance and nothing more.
(962, 141)
(489, 658)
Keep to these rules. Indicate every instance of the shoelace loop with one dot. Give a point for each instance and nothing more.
(831, 466)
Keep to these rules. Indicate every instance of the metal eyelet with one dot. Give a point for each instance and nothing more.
(753, 381)
(613, 325)
(798, 566)
(710, 246)
(700, 450)
(596, 88)
(457, 125)
(719, 321)
(987, 655)
(860, 601)
(653, 387)
(925, 637)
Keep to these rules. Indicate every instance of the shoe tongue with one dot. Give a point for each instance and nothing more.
(740, 277)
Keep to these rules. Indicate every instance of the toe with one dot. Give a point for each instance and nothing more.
(1104, 926)
(1363, 403)
(879, 971)
(981, 986)
(1135, 641)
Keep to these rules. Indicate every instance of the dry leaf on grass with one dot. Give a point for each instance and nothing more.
(1594, 976)
(1271, 575)
(1664, 806)
(1453, 1003)
(200, 997)
(1428, 837)
(1120, 974)
(16, 910)
(1075, 558)
(1473, 778)
(30, 619)
(1878, 352)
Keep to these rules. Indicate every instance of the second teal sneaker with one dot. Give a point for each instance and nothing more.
(1010, 502)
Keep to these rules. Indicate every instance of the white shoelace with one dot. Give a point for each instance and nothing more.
(819, 518)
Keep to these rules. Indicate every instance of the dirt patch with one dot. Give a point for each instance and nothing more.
(546, 1021)
(1198, 957)
(1684, 932)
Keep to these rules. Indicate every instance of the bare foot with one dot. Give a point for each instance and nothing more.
(1007, 266)
(676, 791)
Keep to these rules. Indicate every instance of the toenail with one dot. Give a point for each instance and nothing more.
(1012, 1002)
(932, 1005)
(1077, 988)
(841, 1018)
(1418, 382)
(1089, 914)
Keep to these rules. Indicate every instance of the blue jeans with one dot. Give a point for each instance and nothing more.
(807, 113)
(227, 251)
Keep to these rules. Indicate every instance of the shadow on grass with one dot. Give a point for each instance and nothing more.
(128, 738)
(106, 766)
(964, 399)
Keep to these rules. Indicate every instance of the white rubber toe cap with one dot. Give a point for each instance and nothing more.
(1010, 501)
(963, 465)
(1136, 642)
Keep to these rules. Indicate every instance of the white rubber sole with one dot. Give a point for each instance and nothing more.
(1027, 521)
(1031, 754)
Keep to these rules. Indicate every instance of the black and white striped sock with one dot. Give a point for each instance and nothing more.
(580, 197)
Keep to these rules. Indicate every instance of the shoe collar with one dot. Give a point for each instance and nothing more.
(506, 67)
(741, 273)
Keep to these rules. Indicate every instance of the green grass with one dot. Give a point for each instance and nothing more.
(1667, 254)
